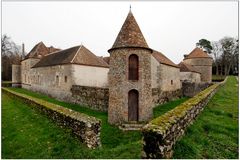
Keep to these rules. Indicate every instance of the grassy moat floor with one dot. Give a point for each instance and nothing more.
(215, 132)
(28, 134)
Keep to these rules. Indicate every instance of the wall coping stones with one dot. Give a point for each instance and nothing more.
(64, 113)
(161, 133)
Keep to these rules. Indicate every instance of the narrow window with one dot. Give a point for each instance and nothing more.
(133, 67)
(57, 80)
(171, 82)
(65, 79)
(38, 79)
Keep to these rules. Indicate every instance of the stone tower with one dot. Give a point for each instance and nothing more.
(130, 92)
(202, 63)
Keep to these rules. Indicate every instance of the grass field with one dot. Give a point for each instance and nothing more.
(215, 132)
(28, 134)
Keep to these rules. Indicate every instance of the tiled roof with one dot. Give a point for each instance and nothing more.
(53, 49)
(106, 59)
(186, 67)
(197, 53)
(163, 59)
(75, 55)
(38, 51)
(130, 35)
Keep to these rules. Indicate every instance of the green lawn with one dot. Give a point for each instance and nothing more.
(28, 134)
(215, 132)
(23, 127)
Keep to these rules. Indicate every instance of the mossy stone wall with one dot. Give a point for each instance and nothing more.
(94, 97)
(160, 134)
(86, 128)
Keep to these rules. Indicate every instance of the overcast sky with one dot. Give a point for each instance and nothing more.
(170, 27)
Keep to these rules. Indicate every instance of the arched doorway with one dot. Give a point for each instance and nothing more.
(133, 105)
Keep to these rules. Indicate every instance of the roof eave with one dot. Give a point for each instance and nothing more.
(123, 47)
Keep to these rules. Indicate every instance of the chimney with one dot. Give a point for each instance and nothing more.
(23, 49)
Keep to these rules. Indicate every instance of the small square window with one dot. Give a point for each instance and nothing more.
(171, 82)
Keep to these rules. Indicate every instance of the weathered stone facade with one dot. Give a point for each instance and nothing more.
(160, 97)
(26, 70)
(190, 89)
(192, 77)
(93, 97)
(55, 81)
(119, 85)
(202, 65)
(16, 75)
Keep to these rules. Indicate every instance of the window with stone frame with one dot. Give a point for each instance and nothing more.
(133, 66)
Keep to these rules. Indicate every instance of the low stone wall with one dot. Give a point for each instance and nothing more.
(190, 89)
(160, 97)
(161, 133)
(94, 97)
(86, 128)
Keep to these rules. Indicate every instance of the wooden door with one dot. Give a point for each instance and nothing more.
(133, 105)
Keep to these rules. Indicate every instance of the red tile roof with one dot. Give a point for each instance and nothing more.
(75, 55)
(38, 51)
(197, 53)
(130, 35)
(163, 59)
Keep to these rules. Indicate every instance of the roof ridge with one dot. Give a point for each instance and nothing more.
(76, 53)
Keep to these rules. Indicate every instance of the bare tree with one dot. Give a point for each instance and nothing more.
(230, 52)
(10, 55)
(217, 52)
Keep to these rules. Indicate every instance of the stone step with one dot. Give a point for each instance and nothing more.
(131, 126)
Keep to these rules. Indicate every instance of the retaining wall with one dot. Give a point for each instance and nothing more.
(86, 128)
(94, 97)
(161, 133)
(190, 89)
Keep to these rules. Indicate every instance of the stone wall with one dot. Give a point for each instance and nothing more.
(169, 78)
(202, 65)
(193, 77)
(54, 81)
(16, 74)
(191, 89)
(86, 128)
(160, 97)
(94, 97)
(161, 133)
(26, 69)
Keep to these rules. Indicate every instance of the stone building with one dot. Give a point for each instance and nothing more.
(188, 73)
(128, 84)
(201, 62)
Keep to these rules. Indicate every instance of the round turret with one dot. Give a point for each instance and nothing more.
(202, 63)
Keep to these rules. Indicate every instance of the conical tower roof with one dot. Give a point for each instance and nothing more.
(130, 35)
